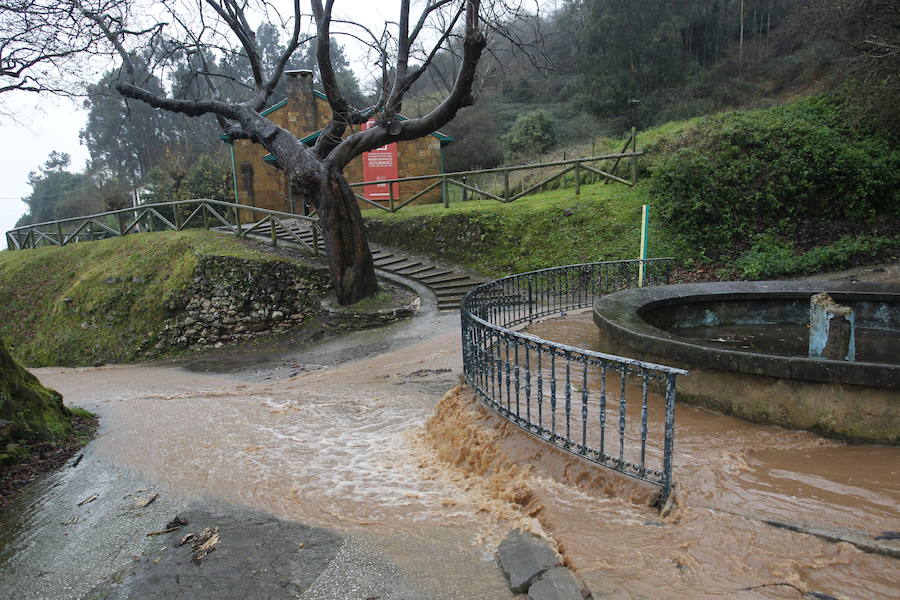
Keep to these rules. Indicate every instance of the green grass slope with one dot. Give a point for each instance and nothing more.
(774, 192)
(97, 302)
(542, 230)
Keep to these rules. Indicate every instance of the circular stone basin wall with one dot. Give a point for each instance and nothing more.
(745, 345)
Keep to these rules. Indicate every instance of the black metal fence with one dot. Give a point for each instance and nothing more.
(614, 411)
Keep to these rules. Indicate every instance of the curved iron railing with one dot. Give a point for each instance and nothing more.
(614, 411)
(175, 216)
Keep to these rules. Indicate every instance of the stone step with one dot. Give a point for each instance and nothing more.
(397, 267)
(465, 282)
(447, 293)
(443, 279)
(410, 271)
(386, 261)
(426, 276)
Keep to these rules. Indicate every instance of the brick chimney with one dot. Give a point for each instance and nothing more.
(303, 117)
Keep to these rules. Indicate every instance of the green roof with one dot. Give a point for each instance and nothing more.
(274, 107)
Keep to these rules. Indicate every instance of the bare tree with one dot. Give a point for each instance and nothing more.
(45, 43)
(403, 52)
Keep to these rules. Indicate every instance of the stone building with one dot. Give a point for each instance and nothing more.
(259, 181)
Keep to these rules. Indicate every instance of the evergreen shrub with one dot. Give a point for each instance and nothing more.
(741, 173)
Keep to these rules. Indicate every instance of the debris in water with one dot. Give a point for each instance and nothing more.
(189, 537)
(817, 595)
(86, 500)
(426, 372)
(140, 502)
(206, 543)
(162, 531)
(176, 522)
(77, 460)
(71, 521)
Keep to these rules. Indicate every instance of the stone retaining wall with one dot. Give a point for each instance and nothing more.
(232, 299)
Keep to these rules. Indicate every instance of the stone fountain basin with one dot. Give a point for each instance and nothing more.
(857, 401)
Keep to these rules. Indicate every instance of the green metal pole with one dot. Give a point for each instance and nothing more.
(444, 191)
(645, 241)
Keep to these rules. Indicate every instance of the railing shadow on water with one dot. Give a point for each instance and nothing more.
(614, 411)
(238, 219)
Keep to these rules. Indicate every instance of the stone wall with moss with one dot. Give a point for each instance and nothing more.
(232, 299)
(111, 301)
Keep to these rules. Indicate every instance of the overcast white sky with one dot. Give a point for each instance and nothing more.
(45, 124)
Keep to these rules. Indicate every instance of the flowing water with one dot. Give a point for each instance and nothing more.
(731, 476)
(360, 448)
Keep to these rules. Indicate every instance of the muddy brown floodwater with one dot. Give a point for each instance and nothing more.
(361, 448)
(732, 475)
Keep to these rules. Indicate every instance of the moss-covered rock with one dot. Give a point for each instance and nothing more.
(29, 412)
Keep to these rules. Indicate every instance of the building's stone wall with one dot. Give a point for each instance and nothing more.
(307, 112)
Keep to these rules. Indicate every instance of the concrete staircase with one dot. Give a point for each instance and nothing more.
(447, 284)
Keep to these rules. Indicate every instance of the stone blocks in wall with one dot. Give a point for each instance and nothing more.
(232, 299)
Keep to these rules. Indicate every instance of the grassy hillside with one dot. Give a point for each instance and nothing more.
(97, 302)
(553, 228)
(774, 192)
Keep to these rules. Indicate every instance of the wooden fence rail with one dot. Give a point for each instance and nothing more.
(200, 212)
(459, 179)
(228, 215)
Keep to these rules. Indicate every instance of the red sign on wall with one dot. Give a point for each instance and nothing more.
(380, 164)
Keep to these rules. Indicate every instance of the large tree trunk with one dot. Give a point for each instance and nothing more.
(349, 258)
